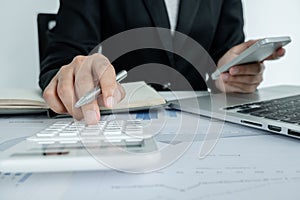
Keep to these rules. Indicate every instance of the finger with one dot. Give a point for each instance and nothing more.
(66, 92)
(247, 69)
(118, 95)
(244, 79)
(51, 97)
(241, 88)
(277, 54)
(230, 87)
(227, 88)
(84, 82)
(238, 88)
(91, 112)
(121, 91)
(105, 73)
(110, 93)
(242, 47)
(93, 70)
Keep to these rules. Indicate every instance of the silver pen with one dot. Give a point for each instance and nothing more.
(93, 94)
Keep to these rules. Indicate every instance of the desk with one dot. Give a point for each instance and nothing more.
(245, 164)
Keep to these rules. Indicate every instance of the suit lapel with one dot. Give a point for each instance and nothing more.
(186, 16)
(157, 11)
(159, 15)
(187, 13)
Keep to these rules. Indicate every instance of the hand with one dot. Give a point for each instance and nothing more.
(77, 78)
(243, 78)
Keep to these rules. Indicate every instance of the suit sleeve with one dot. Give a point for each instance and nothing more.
(77, 32)
(230, 29)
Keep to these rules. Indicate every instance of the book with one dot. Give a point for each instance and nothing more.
(22, 101)
(139, 96)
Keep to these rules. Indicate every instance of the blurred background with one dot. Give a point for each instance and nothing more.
(19, 57)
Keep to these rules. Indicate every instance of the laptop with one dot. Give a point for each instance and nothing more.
(275, 109)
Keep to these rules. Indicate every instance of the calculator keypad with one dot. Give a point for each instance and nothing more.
(114, 132)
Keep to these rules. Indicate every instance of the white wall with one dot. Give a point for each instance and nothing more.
(19, 45)
(276, 18)
(19, 62)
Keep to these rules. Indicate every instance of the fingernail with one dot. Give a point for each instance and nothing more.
(91, 117)
(234, 71)
(110, 102)
(225, 76)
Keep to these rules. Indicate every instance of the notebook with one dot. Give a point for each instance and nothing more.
(274, 109)
(139, 96)
(21, 101)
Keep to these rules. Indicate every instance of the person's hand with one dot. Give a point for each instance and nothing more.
(243, 78)
(76, 79)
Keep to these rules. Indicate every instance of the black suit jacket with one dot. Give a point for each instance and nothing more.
(217, 25)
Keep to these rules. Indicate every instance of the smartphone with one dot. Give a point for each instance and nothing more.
(255, 53)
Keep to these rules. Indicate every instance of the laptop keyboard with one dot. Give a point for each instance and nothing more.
(284, 109)
(116, 133)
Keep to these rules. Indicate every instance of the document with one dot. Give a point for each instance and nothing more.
(251, 167)
(245, 164)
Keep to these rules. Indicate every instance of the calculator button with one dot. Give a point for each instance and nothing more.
(89, 133)
(68, 133)
(112, 140)
(46, 142)
(60, 127)
(134, 140)
(114, 132)
(47, 133)
(68, 142)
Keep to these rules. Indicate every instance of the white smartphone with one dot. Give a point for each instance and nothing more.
(255, 53)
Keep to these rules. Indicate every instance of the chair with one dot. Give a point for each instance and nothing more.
(45, 22)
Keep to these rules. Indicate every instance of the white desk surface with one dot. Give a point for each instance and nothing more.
(245, 164)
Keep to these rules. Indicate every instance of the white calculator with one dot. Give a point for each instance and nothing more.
(73, 146)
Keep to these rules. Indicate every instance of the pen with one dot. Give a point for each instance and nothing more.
(93, 94)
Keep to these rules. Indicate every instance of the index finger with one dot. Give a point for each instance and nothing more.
(238, 49)
(84, 83)
(108, 84)
(277, 54)
(97, 70)
(247, 69)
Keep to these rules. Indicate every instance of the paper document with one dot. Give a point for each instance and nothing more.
(236, 169)
(245, 164)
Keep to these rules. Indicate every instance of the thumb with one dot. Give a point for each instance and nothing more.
(277, 54)
(242, 47)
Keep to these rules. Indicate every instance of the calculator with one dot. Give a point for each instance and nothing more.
(74, 146)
